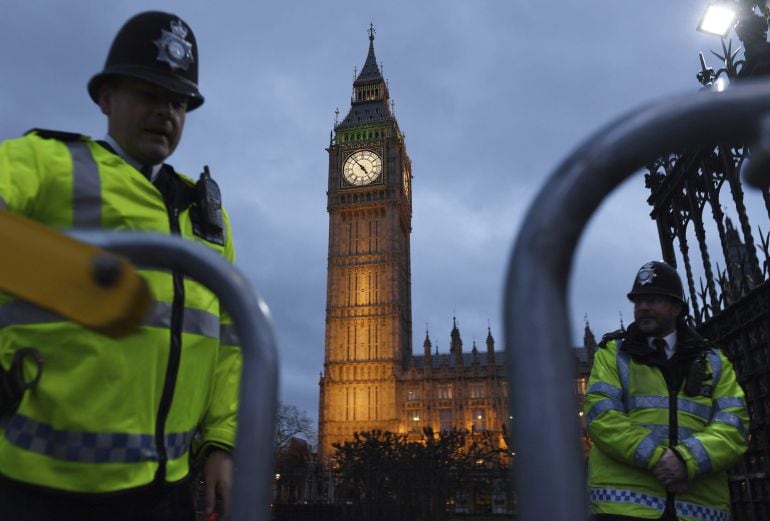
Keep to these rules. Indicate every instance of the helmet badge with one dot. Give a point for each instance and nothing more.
(173, 48)
(646, 274)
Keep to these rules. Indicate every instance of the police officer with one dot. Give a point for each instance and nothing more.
(665, 413)
(108, 429)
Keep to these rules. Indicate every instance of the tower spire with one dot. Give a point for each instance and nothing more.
(370, 71)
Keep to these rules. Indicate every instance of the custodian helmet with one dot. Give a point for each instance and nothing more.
(156, 47)
(657, 278)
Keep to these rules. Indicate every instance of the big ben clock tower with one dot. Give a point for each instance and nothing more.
(368, 297)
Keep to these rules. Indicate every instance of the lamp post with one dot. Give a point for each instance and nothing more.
(749, 19)
(718, 19)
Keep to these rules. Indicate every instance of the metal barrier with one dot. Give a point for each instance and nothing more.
(253, 458)
(550, 471)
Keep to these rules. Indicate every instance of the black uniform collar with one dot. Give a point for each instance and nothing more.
(688, 344)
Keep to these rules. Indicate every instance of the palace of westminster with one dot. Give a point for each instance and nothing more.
(371, 378)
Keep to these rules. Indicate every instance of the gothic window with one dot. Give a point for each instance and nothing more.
(350, 404)
(374, 235)
(413, 394)
(445, 391)
(372, 403)
(445, 422)
(350, 342)
(479, 420)
(477, 390)
(414, 422)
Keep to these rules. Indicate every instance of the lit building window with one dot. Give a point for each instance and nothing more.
(479, 420)
(445, 421)
(413, 394)
(445, 391)
(414, 423)
(477, 390)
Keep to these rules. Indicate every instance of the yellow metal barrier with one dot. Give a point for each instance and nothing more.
(78, 281)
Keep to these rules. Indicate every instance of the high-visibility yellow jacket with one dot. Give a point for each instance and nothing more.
(632, 418)
(113, 414)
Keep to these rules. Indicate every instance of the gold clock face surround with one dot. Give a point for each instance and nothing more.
(362, 167)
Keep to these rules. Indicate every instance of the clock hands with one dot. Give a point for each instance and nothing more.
(367, 167)
(360, 165)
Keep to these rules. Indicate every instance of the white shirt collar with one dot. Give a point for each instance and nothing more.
(130, 160)
(670, 340)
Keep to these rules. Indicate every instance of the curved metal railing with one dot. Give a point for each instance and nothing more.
(253, 458)
(550, 470)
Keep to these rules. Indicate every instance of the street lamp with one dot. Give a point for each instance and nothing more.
(719, 19)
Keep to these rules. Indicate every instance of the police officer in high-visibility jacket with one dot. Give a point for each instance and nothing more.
(108, 430)
(665, 413)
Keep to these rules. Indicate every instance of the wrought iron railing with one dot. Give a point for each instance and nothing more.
(540, 364)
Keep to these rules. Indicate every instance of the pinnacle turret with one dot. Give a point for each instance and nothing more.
(490, 347)
(456, 346)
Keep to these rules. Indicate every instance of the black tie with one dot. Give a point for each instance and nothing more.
(660, 346)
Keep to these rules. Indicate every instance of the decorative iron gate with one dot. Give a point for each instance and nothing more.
(730, 301)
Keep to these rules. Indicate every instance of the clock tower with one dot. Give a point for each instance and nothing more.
(368, 297)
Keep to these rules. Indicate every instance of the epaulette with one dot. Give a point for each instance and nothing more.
(55, 134)
(612, 335)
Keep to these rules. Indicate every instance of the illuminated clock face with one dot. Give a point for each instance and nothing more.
(362, 167)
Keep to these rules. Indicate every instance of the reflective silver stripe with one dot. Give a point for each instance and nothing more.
(648, 402)
(228, 336)
(91, 447)
(645, 449)
(605, 388)
(700, 512)
(21, 313)
(699, 453)
(86, 187)
(623, 361)
(728, 402)
(603, 406)
(661, 402)
(199, 322)
(661, 431)
(613, 495)
(196, 321)
(697, 409)
(716, 366)
(730, 419)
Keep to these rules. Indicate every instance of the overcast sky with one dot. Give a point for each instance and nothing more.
(491, 95)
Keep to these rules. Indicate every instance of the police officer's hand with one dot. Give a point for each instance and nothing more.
(218, 475)
(670, 468)
(678, 487)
